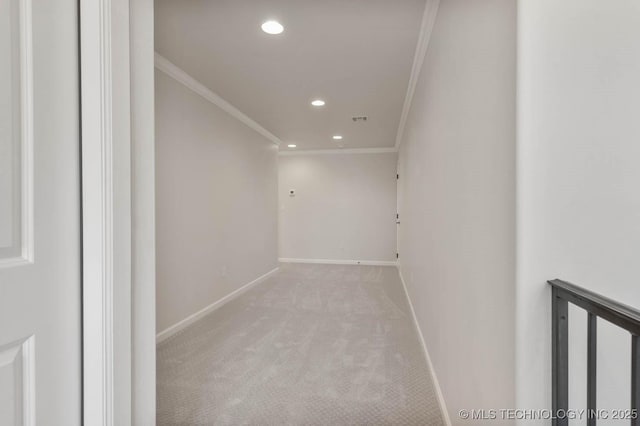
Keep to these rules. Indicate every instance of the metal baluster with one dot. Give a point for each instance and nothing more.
(635, 378)
(560, 365)
(592, 339)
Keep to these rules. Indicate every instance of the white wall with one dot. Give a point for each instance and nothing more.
(578, 174)
(344, 207)
(457, 203)
(216, 203)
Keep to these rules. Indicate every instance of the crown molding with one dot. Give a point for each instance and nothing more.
(428, 21)
(339, 151)
(181, 76)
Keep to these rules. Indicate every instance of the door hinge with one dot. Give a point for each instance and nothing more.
(397, 256)
(397, 176)
(397, 215)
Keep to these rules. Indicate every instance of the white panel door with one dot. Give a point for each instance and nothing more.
(40, 284)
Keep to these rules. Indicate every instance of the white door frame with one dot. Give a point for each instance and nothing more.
(106, 211)
(118, 204)
(143, 227)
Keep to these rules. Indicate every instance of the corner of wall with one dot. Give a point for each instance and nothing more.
(425, 351)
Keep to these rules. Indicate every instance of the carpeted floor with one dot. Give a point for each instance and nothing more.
(313, 345)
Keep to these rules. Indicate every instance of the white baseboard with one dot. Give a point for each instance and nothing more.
(170, 331)
(340, 262)
(434, 378)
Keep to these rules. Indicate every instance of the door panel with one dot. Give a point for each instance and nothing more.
(16, 383)
(40, 352)
(15, 142)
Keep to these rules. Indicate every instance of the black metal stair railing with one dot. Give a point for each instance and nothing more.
(596, 306)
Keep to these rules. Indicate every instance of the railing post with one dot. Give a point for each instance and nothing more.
(592, 350)
(560, 358)
(635, 378)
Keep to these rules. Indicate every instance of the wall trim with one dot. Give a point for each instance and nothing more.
(143, 235)
(339, 151)
(434, 378)
(98, 210)
(106, 212)
(428, 22)
(340, 261)
(181, 76)
(181, 325)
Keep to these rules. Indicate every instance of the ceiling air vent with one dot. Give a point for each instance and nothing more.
(359, 118)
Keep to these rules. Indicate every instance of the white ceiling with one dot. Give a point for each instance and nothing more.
(355, 54)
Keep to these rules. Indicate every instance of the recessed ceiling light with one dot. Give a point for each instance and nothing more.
(318, 103)
(337, 137)
(292, 145)
(272, 27)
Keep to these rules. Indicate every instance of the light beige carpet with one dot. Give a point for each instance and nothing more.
(314, 345)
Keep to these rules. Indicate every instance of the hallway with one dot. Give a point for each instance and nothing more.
(313, 344)
(299, 212)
